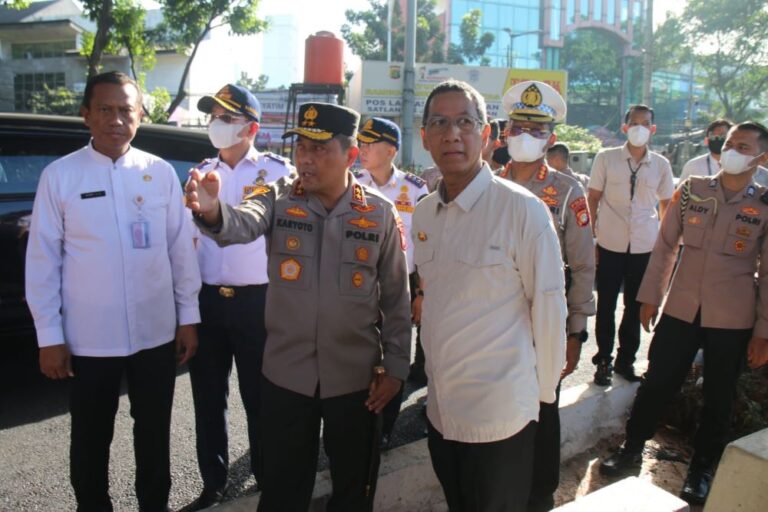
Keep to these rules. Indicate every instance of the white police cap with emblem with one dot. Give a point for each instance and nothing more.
(534, 101)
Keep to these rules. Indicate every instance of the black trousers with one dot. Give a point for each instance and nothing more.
(94, 396)
(291, 437)
(671, 355)
(484, 477)
(546, 457)
(615, 269)
(392, 409)
(231, 328)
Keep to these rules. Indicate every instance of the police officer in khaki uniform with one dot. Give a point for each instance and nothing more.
(336, 266)
(557, 158)
(722, 223)
(234, 280)
(379, 140)
(534, 108)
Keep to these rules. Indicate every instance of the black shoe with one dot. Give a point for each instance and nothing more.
(628, 372)
(604, 373)
(208, 498)
(621, 460)
(696, 486)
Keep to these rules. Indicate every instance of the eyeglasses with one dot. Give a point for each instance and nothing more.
(439, 124)
(515, 131)
(227, 118)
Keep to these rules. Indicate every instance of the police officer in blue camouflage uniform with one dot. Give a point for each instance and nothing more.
(379, 140)
(233, 293)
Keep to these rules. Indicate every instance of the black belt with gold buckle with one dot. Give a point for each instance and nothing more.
(226, 291)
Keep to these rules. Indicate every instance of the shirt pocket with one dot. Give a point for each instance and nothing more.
(358, 273)
(291, 257)
(423, 255)
(741, 239)
(617, 186)
(693, 235)
(649, 181)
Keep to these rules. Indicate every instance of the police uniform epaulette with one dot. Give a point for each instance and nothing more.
(277, 158)
(357, 173)
(202, 164)
(419, 182)
(565, 179)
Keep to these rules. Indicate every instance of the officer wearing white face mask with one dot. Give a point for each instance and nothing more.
(625, 186)
(233, 294)
(534, 108)
(722, 224)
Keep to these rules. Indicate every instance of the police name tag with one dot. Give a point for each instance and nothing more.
(140, 234)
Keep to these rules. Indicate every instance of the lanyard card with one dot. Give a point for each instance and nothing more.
(140, 234)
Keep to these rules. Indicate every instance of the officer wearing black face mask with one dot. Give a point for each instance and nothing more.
(500, 156)
(708, 164)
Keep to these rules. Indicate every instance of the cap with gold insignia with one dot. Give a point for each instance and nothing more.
(378, 129)
(534, 101)
(233, 98)
(321, 121)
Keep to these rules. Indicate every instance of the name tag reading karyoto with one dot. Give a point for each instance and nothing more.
(140, 234)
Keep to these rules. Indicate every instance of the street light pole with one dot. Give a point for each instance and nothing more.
(511, 48)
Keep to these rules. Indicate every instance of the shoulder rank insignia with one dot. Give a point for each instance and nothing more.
(276, 158)
(542, 174)
(363, 223)
(358, 194)
(764, 198)
(258, 190)
(364, 208)
(295, 211)
(298, 189)
(416, 180)
(357, 173)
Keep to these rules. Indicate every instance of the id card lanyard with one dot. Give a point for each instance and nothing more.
(140, 227)
(632, 178)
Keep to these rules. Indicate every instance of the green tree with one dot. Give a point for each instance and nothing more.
(727, 38)
(59, 101)
(158, 101)
(578, 138)
(187, 23)
(259, 84)
(473, 44)
(371, 42)
(594, 68)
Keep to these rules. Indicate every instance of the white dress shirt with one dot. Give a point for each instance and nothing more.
(86, 284)
(240, 264)
(625, 222)
(494, 312)
(404, 190)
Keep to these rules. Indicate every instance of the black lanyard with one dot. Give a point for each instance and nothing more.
(709, 168)
(632, 179)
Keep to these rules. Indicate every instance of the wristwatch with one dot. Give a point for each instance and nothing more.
(581, 336)
(379, 370)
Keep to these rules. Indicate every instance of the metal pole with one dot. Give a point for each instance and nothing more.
(389, 31)
(409, 82)
(647, 57)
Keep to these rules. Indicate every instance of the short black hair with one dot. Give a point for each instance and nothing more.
(560, 148)
(346, 141)
(638, 108)
(717, 123)
(456, 86)
(754, 126)
(110, 77)
(494, 129)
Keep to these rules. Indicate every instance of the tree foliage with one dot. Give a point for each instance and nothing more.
(371, 43)
(253, 85)
(594, 67)
(578, 138)
(158, 106)
(726, 41)
(59, 101)
(473, 44)
(187, 23)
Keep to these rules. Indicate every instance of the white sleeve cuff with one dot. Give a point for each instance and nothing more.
(188, 315)
(49, 336)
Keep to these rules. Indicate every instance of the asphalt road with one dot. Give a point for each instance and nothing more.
(34, 436)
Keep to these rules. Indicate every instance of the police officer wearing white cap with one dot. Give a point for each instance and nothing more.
(625, 186)
(233, 293)
(534, 108)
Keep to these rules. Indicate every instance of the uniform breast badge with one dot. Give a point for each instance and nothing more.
(363, 223)
(292, 243)
(290, 270)
(361, 254)
(357, 279)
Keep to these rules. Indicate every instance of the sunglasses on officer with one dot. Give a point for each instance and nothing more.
(536, 133)
(228, 118)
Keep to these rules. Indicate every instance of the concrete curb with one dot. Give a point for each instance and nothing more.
(588, 413)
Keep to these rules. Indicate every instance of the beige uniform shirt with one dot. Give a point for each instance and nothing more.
(625, 221)
(568, 207)
(332, 276)
(723, 243)
(494, 311)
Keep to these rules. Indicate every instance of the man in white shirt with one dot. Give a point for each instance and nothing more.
(111, 280)
(708, 164)
(494, 311)
(379, 140)
(625, 186)
(233, 294)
